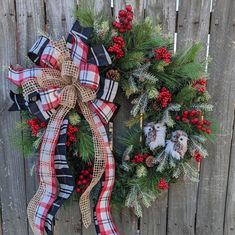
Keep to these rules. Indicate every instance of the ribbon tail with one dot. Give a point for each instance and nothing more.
(103, 215)
(64, 177)
(103, 160)
(43, 199)
(99, 164)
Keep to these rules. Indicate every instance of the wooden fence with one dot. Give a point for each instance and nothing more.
(204, 209)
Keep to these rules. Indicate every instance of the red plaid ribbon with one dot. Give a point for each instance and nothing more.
(103, 215)
(89, 77)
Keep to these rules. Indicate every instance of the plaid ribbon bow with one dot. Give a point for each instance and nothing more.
(64, 80)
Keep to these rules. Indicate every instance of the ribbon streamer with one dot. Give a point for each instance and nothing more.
(64, 80)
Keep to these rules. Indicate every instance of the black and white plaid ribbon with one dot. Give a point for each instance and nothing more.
(64, 177)
(108, 89)
(34, 106)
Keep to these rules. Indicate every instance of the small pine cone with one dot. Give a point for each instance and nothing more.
(156, 106)
(113, 74)
(150, 160)
(141, 78)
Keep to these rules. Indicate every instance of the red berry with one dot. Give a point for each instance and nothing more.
(78, 190)
(122, 13)
(129, 8)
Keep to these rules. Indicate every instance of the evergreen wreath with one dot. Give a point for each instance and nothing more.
(169, 122)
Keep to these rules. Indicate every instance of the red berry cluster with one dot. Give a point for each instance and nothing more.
(71, 134)
(164, 97)
(163, 185)
(139, 158)
(194, 117)
(197, 156)
(200, 85)
(117, 47)
(35, 125)
(84, 178)
(125, 20)
(163, 54)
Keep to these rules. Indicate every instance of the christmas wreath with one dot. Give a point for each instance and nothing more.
(68, 97)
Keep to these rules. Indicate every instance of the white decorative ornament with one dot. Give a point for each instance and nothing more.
(177, 146)
(155, 135)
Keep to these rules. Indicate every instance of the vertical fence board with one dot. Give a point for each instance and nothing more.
(12, 177)
(229, 223)
(214, 172)
(154, 219)
(30, 20)
(193, 25)
(60, 18)
(162, 12)
(125, 220)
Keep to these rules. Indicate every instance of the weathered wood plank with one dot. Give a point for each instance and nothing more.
(193, 25)
(154, 219)
(60, 18)
(162, 12)
(68, 220)
(125, 220)
(30, 21)
(229, 223)
(12, 177)
(214, 172)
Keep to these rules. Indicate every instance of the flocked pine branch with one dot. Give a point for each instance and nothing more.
(167, 119)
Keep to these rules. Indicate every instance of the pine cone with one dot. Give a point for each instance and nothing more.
(150, 160)
(156, 106)
(113, 74)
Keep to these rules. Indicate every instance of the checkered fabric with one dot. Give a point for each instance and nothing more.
(83, 33)
(37, 49)
(37, 110)
(64, 177)
(50, 98)
(50, 57)
(18, 75)
(89, 75)
(78, 49)
(107, 90)
(19, 103)
(99, 56)
(104, 110)
(102, 214)
(34, 107)
(46, 193)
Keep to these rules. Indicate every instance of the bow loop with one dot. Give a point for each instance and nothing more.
(68, 96)
(69, 71)
(51, 78)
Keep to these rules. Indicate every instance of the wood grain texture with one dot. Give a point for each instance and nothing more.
(12, 176)
(30, 22)
(125, 220)
(214, 172)
(59, 16)
(193, 25)
(162, 12)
